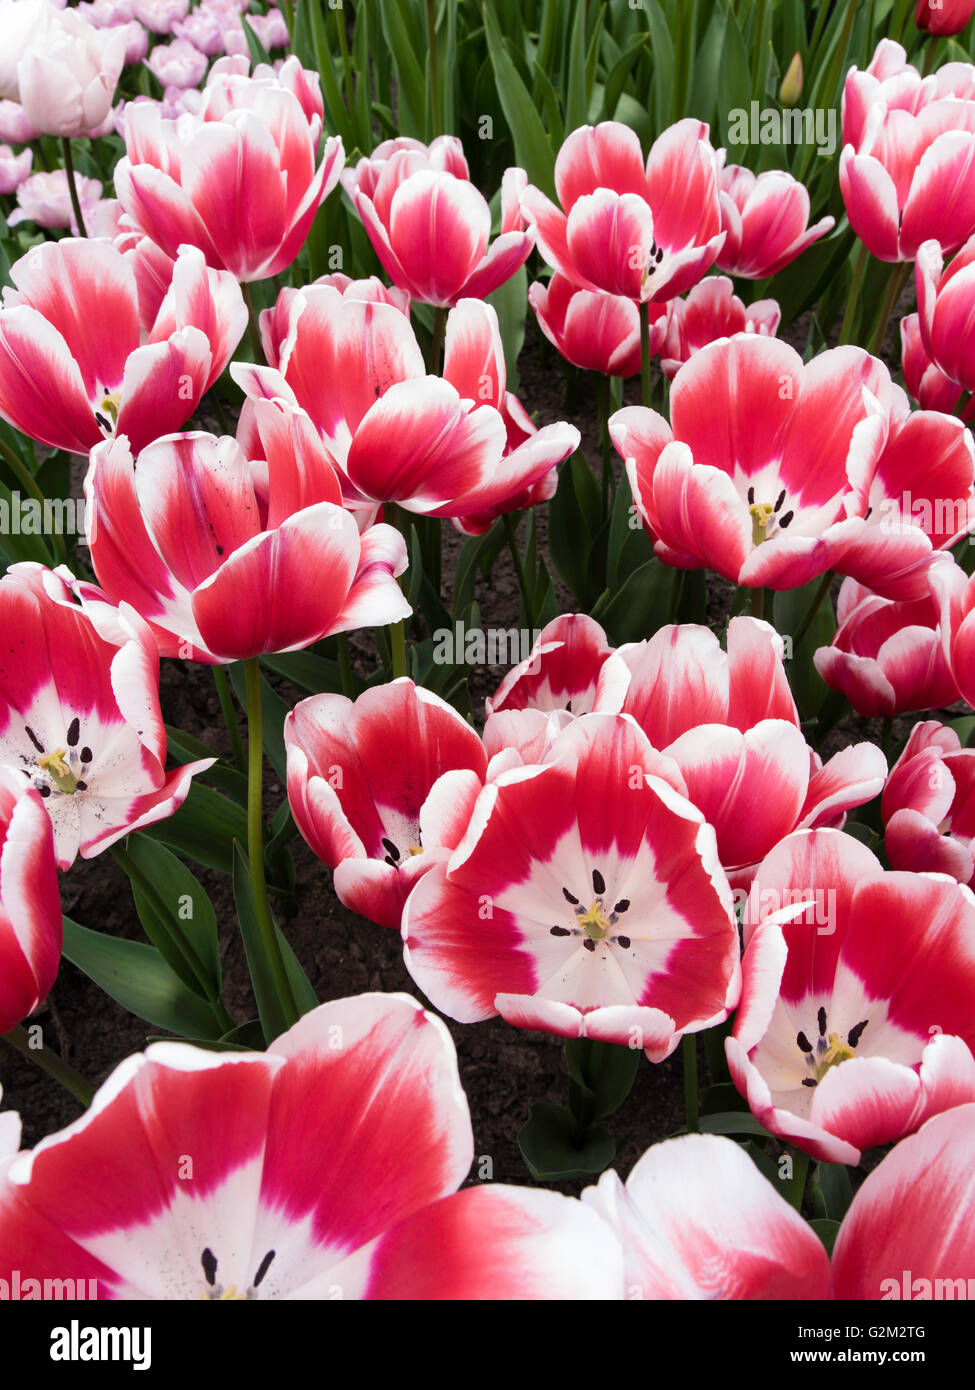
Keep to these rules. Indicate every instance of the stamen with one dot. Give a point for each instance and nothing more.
(821, 1020)
(263, 1268)
(804, 1042)
(33, 738)
(856, 1033)
(74, 731)
(570, 897)
(560, 931)
(598, 883)
(209, 1262)
(622, 905)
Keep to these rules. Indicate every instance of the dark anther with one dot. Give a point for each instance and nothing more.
(102, 421)
(598, 883)
(33, 738)
(74, 731)
(81, 787)
(804, 1042)
(390, 848)
(808, 1081)
(570, 897)
(45, 792)
(622, 905)
(821, 1020)
(751, 496)
(624, 941)
(856, 1033)
(560, 931)
(209, 1262)
(263, 1268)
(86, 754)
(780, 501)
(589, 944)
(784, 521)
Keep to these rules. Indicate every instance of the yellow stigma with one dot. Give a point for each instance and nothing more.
(227, 1295)
(761, 513)
(838, 1051)
(416, 849)
(110, 405)
(593, 922)
(56, 767)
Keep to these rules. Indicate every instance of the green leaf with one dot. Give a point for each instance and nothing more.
(258, 53)
(410, 77)
(137, 977)
(269, 1007)
(547, 1144)
(765, 1165)
(188, 910)
(642, 604)
(184, 748)
(204, 828)
(662, 48)
(576, 100)
(731, 1122)
(832, 1182)
(827, 1232)
(312, 672)
(604, 1071)
(533, 149)
(789, 614)
(734, 77)
(569, 534)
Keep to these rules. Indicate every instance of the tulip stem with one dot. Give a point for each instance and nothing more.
(646, 390)
(856, 284)
(48, 1060)
(345, 666)
(436, 120)
(27, 480)
(757, 41)
(511, 531)
(605, 442)
(255, 842)
(72, 186)
(800, 1170)
(229, 716)
(929, 55)
(896, 283)
(824, 587)
(346, 61)
(758, 603)
(839, 57)
(254, 327)
(689, 1050)
(397, 642)
(436, 342)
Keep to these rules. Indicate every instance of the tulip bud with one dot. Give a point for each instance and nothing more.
(791, 89)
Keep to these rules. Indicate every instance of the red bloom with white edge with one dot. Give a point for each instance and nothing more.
(381, 788)
(857, 1013)
(946, 305)
(773, 506)
(429, 225)
(595, 331)
(228, 558)
(943, 16)
(79, 712)
(645, 230)
(79, 362)
(712, 310)
(697, 1220)
(457, 445)
(729, 726)
(30, 907)
(887, 657)
(766, 219)
(954, 593)
(275, 323)
(924, 379)
(561, 670)
(910, 1229)
(928, 805)
(325, 1168)
(237, 179)
(585, 899)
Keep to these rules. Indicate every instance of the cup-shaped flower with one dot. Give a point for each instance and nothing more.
(928, 805)
(45, 199)
(560, 671)
(381, 788)
(229, 558)
(429, 225)
(858, 997)
(924, 379)
(585, 899)
(77, 363)
(954, 593)
(710, 311)
(910, 1229)
(595, 331)
(14, 168)
(886, 657)
(237, 179)
(946, 310)
(325, 1168)
(60, 68)
(177, 64)
(943, 16)
(79, 711)
(697, 1220)
(756, 474)
(766, 218)
(645, 230)
(30, 907)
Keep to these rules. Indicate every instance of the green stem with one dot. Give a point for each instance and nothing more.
(930, 54)
(646, 390)
(72, 186)
(345, 666)
(856, 285)
(800, 1170)
(689, 1050)
(397, 640)
(605, 443)
(288, 8)
(758, 603)
(896, 283)
(836, 69)
(55, 1066)
(824, 588)
(255, 842)
(27, 480)
(253, 326)
(759, 31)
(346, 60)
(437, 119)
(511, 531)
(436, 342)
(229, 715)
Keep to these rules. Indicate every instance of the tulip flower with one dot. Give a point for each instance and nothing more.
(276, 322)
(954, 593)
(381, 822)
(710, 311)
(585, 899)
(886, 657)
(946, 301)
(429, 225)
(595, 331)
(238, 180)
(14, 168)
(228, 558)
(76, 363)
(14, 125)
(644, 230)
(766, 220)
(910, 1230)
(45, 199)
(326, 1167)
(697, 1220)
(730, 728)
(79, 712)
(561, 670)
(849, 1037)
(924, 379)
(177, 64)
(941, 17)
(928, 805)
(65, 76)
(160, 15)
(30, 907)
(775, 506)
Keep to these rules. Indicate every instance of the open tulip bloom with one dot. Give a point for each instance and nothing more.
(30, 906)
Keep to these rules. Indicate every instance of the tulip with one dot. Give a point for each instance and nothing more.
(561, 670)
(160, 15)
(74, 364)
(177, 64)
(30, 907)
(45, 200)
(595, 331)
(710, 311)
(928, 805)
(765, 218)
(14, 168)
(940, 17)
(327, 1167)
(924, 379)
(66, 79)
(946, 311)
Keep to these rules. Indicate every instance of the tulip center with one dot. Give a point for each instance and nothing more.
(216, 1292)
(768, 517)
(829, 1050)
(62, 769)
(107, 411)
(761, 514)
(594, 923)
(394, 856)
(56, 766)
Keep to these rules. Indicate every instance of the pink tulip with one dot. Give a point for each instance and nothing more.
(954, 592)
(928, 805)
(644, 230)
(849, 1037)
(886, 657)
(271, 29)
(710, 311)
(177, 64)
(45, 200)
(892, 83)
(326, 1167)
(943, 16)
(925, 380)
(79, 712)
(561, 672)
(766, 220)
(429, 225)
(14, 125)
(30, 907)
(160, 15)
(14, 168)
(76, 363)
(238, 180)
(946, 311)
(67, 78)
(595, 331)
